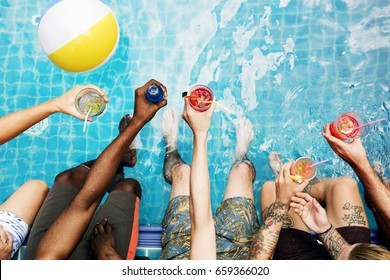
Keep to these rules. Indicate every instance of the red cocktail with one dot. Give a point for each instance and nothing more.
(346, 126)
(302, 167)
(200, 97)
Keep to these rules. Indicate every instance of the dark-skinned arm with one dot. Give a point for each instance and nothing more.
(65, 233)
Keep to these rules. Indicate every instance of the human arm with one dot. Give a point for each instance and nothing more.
(265, 240)
(203, 244)
(5, 245)
(103, 242)
(15, 123)
(377, 191)
(314, 216)
(59, 244)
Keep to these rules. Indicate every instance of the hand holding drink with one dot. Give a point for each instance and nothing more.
(201, 98)
(70, 102)
(350, 126)
(144, 109)
(199, 122)
(285, 186)
(347, 126)
(352, 152)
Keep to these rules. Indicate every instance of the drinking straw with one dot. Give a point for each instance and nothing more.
(219, 104)
(317, 163)
(369, 123)
(86, 119)
(211, 101)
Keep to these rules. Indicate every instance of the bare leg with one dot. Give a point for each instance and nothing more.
(242, 174)
(26, 200)
(176, 171)
(343, 202)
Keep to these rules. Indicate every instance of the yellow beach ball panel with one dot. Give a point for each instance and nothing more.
(90, 49)
(77, 35)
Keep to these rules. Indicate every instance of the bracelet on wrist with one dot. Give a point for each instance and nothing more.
(326, 231)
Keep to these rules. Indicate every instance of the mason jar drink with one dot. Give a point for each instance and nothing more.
(90, 100)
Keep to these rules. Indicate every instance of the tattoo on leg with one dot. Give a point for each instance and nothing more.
(355, 215)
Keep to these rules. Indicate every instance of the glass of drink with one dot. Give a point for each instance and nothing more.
(200, 97)
(346, 127)
(303, 167)
(90, 100)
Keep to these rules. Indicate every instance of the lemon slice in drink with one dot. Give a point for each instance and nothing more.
(297, 178)
(346, 126)
(347, 129)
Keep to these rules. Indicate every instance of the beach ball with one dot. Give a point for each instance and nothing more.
(78, 35)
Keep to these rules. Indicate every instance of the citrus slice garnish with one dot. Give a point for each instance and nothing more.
(346, 126)
(297, 178)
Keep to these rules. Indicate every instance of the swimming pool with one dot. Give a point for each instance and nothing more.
(289, 66)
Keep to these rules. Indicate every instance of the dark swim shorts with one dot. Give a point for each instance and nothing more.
(121, 208)
(296, 244)
(235, 223)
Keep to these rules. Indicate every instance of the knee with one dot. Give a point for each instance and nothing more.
(342, 186)
(244, 170)
(345, 184)
(130, 185)
(72, 176)
(40, 187)
(64, 177)
(181, 171)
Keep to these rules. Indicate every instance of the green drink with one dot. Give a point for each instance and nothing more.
(90, 100)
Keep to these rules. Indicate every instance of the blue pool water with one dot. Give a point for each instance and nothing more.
(289, 66)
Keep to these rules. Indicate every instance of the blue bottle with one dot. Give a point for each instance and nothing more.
(154, 94)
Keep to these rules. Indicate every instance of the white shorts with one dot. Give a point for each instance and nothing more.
(16, 227)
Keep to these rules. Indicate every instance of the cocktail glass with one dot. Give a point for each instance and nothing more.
(200, 97)
(346, 127)
(302, 167)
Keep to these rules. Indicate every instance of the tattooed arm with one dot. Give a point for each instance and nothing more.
(264, 242)
(266, 239)
(333, 242)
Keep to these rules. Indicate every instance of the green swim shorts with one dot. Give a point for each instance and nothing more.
(235, 223)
